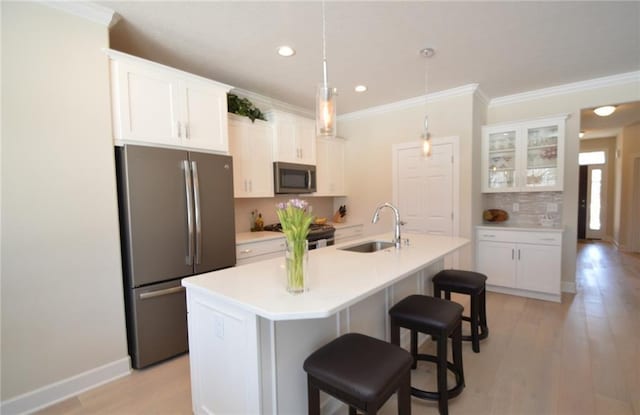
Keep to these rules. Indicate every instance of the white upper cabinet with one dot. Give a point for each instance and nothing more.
(250, 145)
(294, 138)
(330, 167)
(155, 104)
(523, 157)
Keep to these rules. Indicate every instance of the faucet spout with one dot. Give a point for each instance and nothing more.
(396, 226)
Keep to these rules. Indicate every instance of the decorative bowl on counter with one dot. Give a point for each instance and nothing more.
(495, 215)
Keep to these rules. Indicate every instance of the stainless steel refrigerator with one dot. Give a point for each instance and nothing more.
(176, 219)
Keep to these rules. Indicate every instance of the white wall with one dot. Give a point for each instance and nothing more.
(62, 303)
(368, 158)
(571, 102)
(629, 151)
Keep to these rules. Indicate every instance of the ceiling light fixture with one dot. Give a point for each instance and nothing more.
(426, 137)
(581, 134)
(286, 51)
(325, 95)
(605, 111)
(360, 88)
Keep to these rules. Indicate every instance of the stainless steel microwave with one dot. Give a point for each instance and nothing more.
(294, 178)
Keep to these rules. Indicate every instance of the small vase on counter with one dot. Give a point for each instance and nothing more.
(297, 256)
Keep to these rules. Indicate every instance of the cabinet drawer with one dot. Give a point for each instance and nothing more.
(346, 234)
(497, 235)
(540, 238)
(251, 249)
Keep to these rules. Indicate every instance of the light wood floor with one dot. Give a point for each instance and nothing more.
(578, 357)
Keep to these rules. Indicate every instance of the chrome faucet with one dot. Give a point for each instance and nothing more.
(396, 228)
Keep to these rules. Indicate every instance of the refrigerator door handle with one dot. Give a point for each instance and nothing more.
(196, 202)
(187, 189)
(159, 293)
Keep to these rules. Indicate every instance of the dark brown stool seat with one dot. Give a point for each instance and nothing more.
(441, 319)
(362, 372)
(472, 284)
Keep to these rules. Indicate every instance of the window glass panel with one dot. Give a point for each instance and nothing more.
(591, 157)
(594, 207)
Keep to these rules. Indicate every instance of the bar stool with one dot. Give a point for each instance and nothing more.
(441, 319)
(362, 372)
(473, 284)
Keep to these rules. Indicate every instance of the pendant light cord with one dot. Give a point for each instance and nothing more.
(324, 48)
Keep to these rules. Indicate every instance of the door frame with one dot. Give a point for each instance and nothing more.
(455, 141)
(634, 243)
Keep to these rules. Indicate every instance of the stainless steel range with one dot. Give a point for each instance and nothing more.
(319, 235)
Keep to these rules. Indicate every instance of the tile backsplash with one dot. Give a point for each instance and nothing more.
(321, 207)
(533, 207)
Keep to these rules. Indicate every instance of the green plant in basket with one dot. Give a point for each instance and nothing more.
(295, 221)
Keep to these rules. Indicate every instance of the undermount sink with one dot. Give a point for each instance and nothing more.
(369, 246)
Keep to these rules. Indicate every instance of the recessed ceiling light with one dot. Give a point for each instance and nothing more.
(286, 51)
(605, 111)
(360, 88)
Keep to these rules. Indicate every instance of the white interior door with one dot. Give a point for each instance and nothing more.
(596, 198)
(424, 189)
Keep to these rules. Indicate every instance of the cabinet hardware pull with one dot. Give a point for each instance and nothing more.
(488, 236)
(186, 130)
(518, 255)
(179, 130)
(246, 251)
(547, 239)
(512, 254)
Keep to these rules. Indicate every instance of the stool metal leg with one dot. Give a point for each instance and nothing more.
(443, 398)
(474, 317)
(313, 400)
(414, 348)
(456, 351)
(404, 396)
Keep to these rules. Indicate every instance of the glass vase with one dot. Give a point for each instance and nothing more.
(296, 254)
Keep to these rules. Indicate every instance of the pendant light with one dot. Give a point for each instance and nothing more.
(325, 95)
(426, 137)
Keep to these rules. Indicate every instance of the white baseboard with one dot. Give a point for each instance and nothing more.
(568, 287)
(525, 293)
(66, 388)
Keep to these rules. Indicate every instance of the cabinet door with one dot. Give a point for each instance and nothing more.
(205, 116)
(330, 167)
(238, 133)
(538, 268)
(285, 147)
(543, 155)
(306, 140)
(497, 261)
(500, 159)
(259, 143)
(146, 104)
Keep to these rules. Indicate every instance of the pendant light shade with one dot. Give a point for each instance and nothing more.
(426, 137)
(325, 96)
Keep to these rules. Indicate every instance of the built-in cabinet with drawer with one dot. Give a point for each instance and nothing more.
(253, 251)
(294, 138)
(521, 261)
(250, 145)
(523, 157)
(330, 167)
(155, 104)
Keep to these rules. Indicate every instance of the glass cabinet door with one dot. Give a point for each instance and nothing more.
(542, 156)
(502, 159)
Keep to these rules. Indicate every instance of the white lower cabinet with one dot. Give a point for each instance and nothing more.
(521, 262)
(248, 252)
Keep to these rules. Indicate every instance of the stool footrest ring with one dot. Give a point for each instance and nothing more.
(451, 393)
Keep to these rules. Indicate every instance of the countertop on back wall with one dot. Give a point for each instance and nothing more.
(516, 227)
(248, 237)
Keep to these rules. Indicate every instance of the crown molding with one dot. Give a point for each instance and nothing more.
(411, 102)
(266, 103)
(613, 80)
(90, 11)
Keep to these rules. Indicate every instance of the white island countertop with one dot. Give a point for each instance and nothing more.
(337, 278)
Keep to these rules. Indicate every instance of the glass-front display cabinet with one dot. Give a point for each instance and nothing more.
(522, 157)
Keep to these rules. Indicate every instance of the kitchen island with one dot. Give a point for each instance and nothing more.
(248, 336)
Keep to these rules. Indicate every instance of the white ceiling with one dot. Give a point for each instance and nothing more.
(505, 47)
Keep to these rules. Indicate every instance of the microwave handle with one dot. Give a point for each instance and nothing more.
(308, 179)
